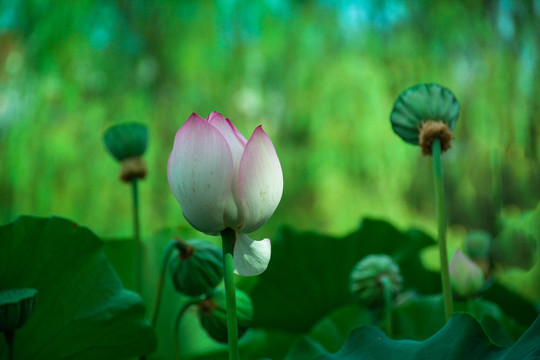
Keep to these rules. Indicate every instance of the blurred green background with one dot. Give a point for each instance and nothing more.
(320, 76)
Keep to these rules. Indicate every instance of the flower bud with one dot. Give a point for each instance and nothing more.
(213, 314)
(127, 142)
(197, 269)
(423, 113)
(514, 248)
(466, 278)
(16, 306)
(366, 280)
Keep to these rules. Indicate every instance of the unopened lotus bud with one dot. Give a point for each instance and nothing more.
(197, 269)
(366, 280)
(466, 278)
(423, 113)
(514, 248)
(213, 314)
(16, 306)
(127, 142)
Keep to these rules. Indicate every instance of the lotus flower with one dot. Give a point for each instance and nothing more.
(222, 180)
(466, 277)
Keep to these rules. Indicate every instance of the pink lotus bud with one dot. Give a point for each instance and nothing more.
(465, 276)
(222, 180)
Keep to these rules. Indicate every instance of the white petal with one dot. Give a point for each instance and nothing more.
(237, 142)
(251, 257)
(260, 181)
(200, 173)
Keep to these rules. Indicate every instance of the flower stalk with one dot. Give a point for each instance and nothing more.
(441, 226)
(136, 235)
(167, 253)
(181, 313)
(228, 237)
(387, 305)
(10, 340)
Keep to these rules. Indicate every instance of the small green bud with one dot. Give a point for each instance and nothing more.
(127, 142)
(197, 269)
(213, 314)
(16, 306)
(478, 244)
(466, 278)
(366, 280)
(477, 247)
(423, 113)
(514, 248)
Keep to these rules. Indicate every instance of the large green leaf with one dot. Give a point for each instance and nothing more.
(308, 275)
(461, 338)
(82, 311)
(421, 318)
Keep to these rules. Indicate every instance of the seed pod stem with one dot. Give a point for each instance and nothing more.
(183, 309)
(441, 225)
(167, 253)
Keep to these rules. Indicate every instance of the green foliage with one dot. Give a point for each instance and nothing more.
(461, 338)
(82, 311)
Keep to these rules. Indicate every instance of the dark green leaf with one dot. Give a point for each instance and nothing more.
(308, 276)
(82, 311)
(461, 338)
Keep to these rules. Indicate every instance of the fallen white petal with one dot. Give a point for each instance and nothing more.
(251, 257)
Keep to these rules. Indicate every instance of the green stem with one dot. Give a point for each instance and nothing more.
(441, 222)
(10, 340)
(228, 237)
(171, 246)
(177, 325)
(136, 235)
(497, 186)
(387, 306)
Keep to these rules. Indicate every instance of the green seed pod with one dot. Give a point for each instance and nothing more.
(477, 244)
(197, 269)
(514, 248)
(423, 113)
(466, 278)
(16, 306)
(213, 314)
(366, 279)
(126, 140)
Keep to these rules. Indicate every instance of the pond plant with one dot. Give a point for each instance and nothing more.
(307, 296)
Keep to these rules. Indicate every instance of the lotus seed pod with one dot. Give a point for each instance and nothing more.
(423, 113)
(366, 277)
(478, 244)
(466, 278)
(213, 314)
(16, 306)
(514, 248)
(197, 269)
(127, 142)
(477, 247)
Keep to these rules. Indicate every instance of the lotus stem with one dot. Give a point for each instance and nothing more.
(228, 237)
(10, 340)
(136, 236)
(441, 222)
(171, 246)
(387, 305)
(181, 313)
